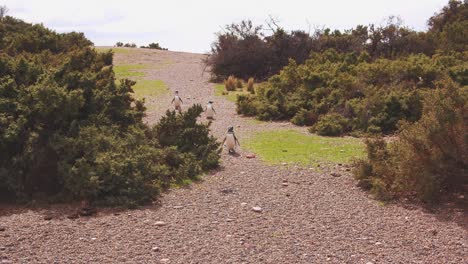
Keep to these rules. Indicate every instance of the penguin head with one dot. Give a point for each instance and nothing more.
(210, 102)
(176, 92)
(231, 129)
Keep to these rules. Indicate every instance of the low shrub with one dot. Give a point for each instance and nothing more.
(250, 86)
(239, 84)
(230, 83)
(429, 157)
(304, 118)
(330, 125)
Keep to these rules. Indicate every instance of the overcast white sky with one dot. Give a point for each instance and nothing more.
(185, 25)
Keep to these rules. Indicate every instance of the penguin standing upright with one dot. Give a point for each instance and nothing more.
(210, 111)
(231, 140)
(177, 101)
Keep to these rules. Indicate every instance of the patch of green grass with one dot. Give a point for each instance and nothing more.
(129, 70)
(116, 50)
(230, 96)
(149, 88)
(291, 146)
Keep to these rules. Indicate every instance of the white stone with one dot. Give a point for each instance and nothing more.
(257, 209)
(160, 223)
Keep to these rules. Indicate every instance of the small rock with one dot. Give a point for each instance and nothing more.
(116, 214)
(73, 216)
(340, 164)
(160, 223)
(243, 204)
(288, 194)
(48, 217)
(285, 184)
(178, 207)
(348, 169)
(250, 156)
(2, 228)
(285, 150)
(2, 248)
(155, 249)
(257, 209)
(242, 172)
(334, 174)
(378, 243)
(229, 220)
(164, 260)
(6, 261)
(227, 191)
(341, 150)
(93, 239)
(284, 163)
(369, 262)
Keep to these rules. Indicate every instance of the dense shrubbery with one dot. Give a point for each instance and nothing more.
(429, 157)
(69, 130)
(243, 50)
(153, 46)
(370, 89)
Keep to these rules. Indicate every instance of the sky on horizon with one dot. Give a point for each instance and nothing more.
(184, 25)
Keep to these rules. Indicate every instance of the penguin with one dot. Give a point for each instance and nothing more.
(177, 101)
(231, 140)
(210, 111)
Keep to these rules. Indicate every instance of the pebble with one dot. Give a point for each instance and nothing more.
(2, 228)
(178, 207)
(257, 209)
(378, 243)
(164, 260)
(2, 248)
(285, 184)
(160, 223)
(48, 217)
(229, 220)
(6, 261)
(250, 156)
(155, 249)
(93, 239)
(334, 174)
(243, 204)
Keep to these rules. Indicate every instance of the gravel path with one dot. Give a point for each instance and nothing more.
(305, 216)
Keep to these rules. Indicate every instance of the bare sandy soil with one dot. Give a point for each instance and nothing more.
(305, 216)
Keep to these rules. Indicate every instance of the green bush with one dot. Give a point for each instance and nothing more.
(429, 157)
(330, 125)
(304, 118)
(70, 131)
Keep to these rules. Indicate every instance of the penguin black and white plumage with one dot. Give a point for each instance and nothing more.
(177, 101)
(231, 140)
(210, 111)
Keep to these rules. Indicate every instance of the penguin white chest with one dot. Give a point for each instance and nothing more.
(177, 101)
(230, 141)
(209, 111)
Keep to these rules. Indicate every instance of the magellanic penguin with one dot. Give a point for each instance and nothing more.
(177, 101)
(231, 140)
(210, 111)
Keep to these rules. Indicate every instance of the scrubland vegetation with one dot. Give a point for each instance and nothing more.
(133, 45)
(70, 130)
(366, 81)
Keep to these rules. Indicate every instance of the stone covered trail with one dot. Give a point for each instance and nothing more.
(305, 216)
